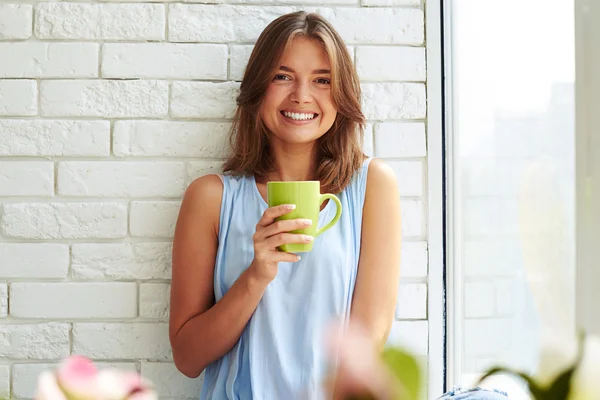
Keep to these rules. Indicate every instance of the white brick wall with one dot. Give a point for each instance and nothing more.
(108, 110)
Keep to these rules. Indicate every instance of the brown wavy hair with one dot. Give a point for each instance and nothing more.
(339, 153)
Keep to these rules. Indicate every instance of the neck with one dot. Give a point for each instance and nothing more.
(294, 163)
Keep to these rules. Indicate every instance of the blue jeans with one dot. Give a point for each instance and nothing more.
(458, 393)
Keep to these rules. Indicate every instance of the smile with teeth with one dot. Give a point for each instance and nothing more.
(299, 116)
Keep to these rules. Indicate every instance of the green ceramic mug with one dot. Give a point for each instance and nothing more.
(307, 197)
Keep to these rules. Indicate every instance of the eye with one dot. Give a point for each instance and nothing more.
(281, 77)
(323, 81)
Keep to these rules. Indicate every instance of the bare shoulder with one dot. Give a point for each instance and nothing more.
(203, 198)
(380, 177)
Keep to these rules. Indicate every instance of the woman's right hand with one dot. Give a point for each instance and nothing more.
(270, 234)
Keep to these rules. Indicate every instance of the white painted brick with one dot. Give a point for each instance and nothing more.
(203, 99)
(394, 100)
(222, 23)
(34, 260)
(104, 98)
(128, 341)
(164, 61)
(492, 256)
(196, 169)
(412, 335)
(15, 22)
(55, 300)
(171, 138)
(154, 300)
(491, 216)
(240, 54)
(25, 378)
(506, 295)
(367, 145)
(480, 299)
(169, 382)
(400, 139)
(4, 381)
(54, 138)
(26, 178)
(412, 217)
(100, 21)
(390, 2)
(487, 337)
(384, 63)
(414, 260)
(3, 300)
(409, 175)
(121, 179)
(49, 60)
(377, 25)
(64, 220)
(118, 261)
(412, 301)
(18, 97)
(41, 341)
(153, 219)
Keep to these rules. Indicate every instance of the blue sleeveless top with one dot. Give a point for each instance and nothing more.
(281, 352)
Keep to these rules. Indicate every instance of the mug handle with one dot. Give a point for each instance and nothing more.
(338, 213)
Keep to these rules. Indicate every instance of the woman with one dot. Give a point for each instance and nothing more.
(250, 316)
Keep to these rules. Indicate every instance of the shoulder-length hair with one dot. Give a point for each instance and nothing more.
(339, 153)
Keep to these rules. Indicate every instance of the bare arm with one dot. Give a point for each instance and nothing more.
(376, 289)
(201, 331)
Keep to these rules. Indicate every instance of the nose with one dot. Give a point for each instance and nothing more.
(301, 93)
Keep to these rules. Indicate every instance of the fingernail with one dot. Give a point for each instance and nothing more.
(298, 258)
(308, 238)
(290, 206)
(307, 222)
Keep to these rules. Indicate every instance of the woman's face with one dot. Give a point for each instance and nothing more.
(298, 107)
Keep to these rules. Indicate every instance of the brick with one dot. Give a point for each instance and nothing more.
(391, 3)
(153, 219)
(411, 335)
(367, 145)
(196, 169)
(487, 337)
(85, 21)
(25, 378)
(171, 138)
(400, 139)
(402, 26)
(409, 175)
(39, 341)
(121, 179)
(15, 23)
(154, 300)
(3, 300)
(384, 63)
(412, 301)
(492, 256)
(34, 260)
(491, 216)
(54, 138)
(169, 382)
(26, 178)
(104, 98)
(55, 300)
(64, 220)
(106, 341)
(164, 61)
(238, 59)
(121, 261)
(49, 60)
(412, 217)
(394, 100)
(18, 98)
(222, 23)
(203, 99)
(4, 381)
(480, 299)
(414, 260)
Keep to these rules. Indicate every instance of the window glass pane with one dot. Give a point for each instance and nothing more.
(513, 173)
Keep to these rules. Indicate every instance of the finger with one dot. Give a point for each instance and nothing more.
(286, 225)
(271, 213)
(282, 256)
(286, 238)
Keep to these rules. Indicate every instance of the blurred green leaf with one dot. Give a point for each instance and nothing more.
(405, 368)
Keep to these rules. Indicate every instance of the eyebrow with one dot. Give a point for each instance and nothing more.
(316, 71)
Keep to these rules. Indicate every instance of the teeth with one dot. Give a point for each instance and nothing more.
(299, 116)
